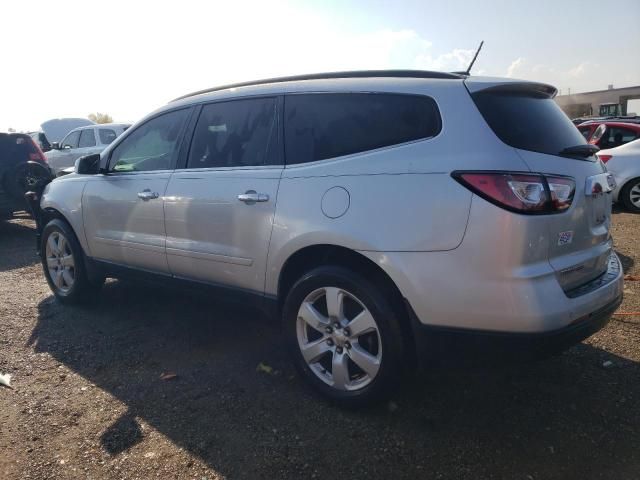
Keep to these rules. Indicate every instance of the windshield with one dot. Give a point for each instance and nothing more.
(529, 121)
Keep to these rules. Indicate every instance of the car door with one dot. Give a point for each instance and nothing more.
(86, 145)
(219, 208)
(62, 158)
(123, 209)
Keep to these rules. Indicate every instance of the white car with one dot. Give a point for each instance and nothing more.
(82, 141)
(624, 163)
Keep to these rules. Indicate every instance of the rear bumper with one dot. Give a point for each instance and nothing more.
(457, 345)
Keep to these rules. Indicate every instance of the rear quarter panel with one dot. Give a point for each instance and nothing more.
(400, 198)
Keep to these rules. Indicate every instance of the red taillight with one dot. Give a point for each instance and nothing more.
(605, 158)
(520, 192)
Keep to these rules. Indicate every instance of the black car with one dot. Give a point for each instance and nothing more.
(22, 167)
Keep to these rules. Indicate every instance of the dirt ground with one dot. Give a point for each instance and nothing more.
(89, 401)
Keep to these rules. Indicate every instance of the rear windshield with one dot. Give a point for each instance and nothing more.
(528, 121)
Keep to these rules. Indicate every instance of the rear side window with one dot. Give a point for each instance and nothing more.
(328, 125)
(528, 120)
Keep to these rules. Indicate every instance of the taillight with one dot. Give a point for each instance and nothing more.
(605, 158)
(521, 192)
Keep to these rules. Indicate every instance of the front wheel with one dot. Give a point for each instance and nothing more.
(630, 195)
(344, 336)
(63, 264)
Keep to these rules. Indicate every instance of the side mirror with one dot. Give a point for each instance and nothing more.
(88, 165)
(55, 146)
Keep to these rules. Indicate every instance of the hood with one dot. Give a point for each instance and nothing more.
(57, 128)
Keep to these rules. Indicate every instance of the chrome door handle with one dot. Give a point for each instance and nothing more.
(251, 196)
(147, 194)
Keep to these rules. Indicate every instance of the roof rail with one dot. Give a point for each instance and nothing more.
(331, 75)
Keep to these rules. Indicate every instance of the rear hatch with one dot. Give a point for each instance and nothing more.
(525, 116)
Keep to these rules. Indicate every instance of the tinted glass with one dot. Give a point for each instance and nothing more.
(528, 121)
(106, 135)
(239, 133)
(71, 140)
(152, 146)
(615, 136)
(87, 138)
(328, 125)
(585, 131)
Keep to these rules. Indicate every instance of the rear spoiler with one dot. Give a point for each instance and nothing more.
(505, 85)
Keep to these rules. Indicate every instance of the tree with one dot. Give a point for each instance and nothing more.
(100, 117)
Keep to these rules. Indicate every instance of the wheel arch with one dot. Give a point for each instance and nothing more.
(623, 188)
(313, 256)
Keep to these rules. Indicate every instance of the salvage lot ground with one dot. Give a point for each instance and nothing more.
(89, 401)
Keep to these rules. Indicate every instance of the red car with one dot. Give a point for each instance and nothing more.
(609, 134)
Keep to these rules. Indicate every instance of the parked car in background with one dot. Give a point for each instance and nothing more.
(55, 129)
(609, 134)
(624, 163)
(325, 200)
(40, 138)
(22, 166)
(83, 141)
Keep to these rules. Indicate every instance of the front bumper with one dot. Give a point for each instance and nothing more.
(466, 346)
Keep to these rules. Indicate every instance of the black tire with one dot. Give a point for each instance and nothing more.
(27, 177)
(83, 288)
(391, 364)
(625, 195)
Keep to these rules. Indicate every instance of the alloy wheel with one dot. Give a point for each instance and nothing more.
(339, 338)
(634, 195)
(60, 262)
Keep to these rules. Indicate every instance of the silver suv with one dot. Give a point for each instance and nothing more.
(377, 213)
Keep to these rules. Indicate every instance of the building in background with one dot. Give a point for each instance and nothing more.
(610, 102)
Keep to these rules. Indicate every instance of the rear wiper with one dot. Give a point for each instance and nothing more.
(581, 150)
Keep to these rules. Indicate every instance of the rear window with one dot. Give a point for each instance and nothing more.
(528, 121)
(327, 125)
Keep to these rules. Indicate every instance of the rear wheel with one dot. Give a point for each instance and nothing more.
(63, 264)
(630, 195)
(344, 336)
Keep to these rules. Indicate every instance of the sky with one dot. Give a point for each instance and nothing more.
(70, 58)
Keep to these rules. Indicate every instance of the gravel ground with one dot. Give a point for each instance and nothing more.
(89, 400)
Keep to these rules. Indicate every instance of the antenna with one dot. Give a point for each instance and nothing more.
(467, 72)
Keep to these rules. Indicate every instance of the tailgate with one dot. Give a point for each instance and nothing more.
(525, 116)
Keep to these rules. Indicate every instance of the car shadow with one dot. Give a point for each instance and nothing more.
(14, 234)
(246, 422)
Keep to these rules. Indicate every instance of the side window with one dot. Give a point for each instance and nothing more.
(87, 138)
(71, 140)
(327, 125)
(153, 145)
(619, 136)
(237, 133)
(585, 132)
(106, 135)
